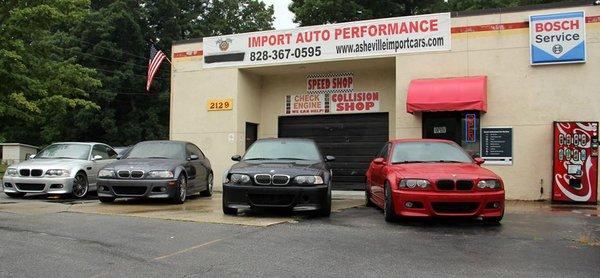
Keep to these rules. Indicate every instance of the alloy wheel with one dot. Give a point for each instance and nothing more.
(182, 188)
(80, 186)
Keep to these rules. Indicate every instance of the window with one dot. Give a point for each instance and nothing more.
(411, 152)
(157, 150)
(112, 154)
(65, 151)
(384, 151)
(283, 150)
(192, 149)
(100, 150)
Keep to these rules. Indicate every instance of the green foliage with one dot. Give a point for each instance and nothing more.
(76, 69)
(313, 12)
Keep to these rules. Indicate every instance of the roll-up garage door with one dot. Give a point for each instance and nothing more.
(354, 139)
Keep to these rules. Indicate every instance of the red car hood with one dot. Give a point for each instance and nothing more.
(437, 171)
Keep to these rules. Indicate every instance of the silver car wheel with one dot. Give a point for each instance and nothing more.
(80, 186)
(182, 188)
(210, 183)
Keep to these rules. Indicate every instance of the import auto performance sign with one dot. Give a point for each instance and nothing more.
(557, 38)
(378, 37)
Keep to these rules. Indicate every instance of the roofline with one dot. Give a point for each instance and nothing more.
(19, 144)
(547, 6)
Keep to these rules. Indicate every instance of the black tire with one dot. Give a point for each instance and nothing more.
(368, 202)
(388, 209)
(181, 192)
(106, 199)
(209, 188)
(493, 220)
(15, 194)
(325, 210)
(81, 186)
(227, 210)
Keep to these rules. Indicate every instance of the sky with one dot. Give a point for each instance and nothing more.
(283, 17)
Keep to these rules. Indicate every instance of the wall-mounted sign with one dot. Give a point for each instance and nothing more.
(330, 82)
(219, 104)
(557, 38)
(497, 145)
(389, 36)
(332, 103)
(470, 128)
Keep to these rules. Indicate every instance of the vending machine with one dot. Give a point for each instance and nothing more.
(575, 167)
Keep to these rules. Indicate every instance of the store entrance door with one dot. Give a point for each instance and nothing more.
(442, 125)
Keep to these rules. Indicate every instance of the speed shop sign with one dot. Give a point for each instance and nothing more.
(557, 38)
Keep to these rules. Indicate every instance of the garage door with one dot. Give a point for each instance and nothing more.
(353, 139)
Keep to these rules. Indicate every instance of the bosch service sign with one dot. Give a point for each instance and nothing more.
(389, 36)
(557, 38)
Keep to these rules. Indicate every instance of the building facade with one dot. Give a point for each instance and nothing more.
(473, 79)
(11, 153)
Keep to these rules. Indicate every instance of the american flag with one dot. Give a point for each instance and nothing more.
(156, 59)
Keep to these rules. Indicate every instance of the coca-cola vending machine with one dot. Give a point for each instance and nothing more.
(575, 167)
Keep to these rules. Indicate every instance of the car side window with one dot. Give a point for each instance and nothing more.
(384, 151)
(101, 151)
(197, 151)
(189, 150)
(112, 154)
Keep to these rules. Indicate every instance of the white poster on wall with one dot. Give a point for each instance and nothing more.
(388, 36)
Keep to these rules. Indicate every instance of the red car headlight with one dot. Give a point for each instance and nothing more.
(489, 184)
(414, 183)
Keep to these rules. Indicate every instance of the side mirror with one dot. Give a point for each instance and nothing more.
(119, 156)
(32, 156)
(236, 157)
(96, 157)
(378, 160)
(479, 160)
(329, 158)
(194, 157)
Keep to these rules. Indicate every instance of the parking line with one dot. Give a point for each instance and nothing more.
(188, 249)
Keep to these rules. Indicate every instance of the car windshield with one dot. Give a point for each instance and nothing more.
(66, 151)
(283, 150)
(415, 152)
(157, 150)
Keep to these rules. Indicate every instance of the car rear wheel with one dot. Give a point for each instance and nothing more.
(209, 186)
(15, 194)
(181, 193)
(106, 199)
(80, 186)
(388, 209)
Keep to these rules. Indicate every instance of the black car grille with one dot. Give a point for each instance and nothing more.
(24, 172)
(262, 179)
(129, 190)
(37, 172)
(462, 185)
(31, 186)
(137, 174)
(271, 199)
(467, 207)
(124, 174)
(445, 185)
(281, 180)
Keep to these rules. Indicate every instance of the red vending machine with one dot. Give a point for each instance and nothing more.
(575, 173)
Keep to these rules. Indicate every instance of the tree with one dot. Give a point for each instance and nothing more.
(314, 12)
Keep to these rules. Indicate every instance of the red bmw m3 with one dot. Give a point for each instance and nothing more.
(430, 178)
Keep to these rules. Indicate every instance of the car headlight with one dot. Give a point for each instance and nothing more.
(106, 174)
(12, 172)
(308, 180)
(160, 174)
(58, 173)
(238, 179)
(414, 183)
(491, 184)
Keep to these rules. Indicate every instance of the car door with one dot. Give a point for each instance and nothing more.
(378, 174)
(104, 155)
(200, 166)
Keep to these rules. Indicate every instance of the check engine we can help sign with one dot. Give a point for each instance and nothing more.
(557, 38)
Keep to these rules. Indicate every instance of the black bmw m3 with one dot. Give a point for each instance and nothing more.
(279, 173)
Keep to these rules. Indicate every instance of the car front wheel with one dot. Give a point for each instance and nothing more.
(80, 186)
(181, 192)
(368, 201)
(388, 209)
(209, 186)
(227, 210)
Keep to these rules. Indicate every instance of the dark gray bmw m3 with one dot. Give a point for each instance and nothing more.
(157, 169)
(279, 173)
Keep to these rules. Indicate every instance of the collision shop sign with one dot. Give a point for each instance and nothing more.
(557, 38)
(332, 103)
(389, 36)
(330, 82)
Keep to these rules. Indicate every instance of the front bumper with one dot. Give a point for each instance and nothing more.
(38, 185)
(461, 204)
(137, 188)
(286, 197)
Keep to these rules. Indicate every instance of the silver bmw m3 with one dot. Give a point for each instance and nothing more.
(61, 168)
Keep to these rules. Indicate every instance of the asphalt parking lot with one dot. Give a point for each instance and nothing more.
(40, 238)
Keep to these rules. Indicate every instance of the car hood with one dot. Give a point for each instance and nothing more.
(443, 171)
(283, 168)
(49, 164)
(145, 164)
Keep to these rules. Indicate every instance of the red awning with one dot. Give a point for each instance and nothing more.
(447, 94)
